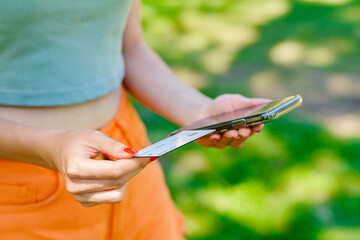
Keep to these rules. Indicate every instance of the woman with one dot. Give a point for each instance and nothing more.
(64, 115)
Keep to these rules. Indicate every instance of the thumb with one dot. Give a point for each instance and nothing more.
(258, 101)
(113, 148)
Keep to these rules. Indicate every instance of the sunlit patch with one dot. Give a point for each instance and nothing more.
(192, 20)
(192, 41)
(226, 36)
(260, 12)
(350, 14)
(147, 11)
(215, 4)
(327, 160)
(287, 53)
(292, 52)
(267, 84)
(341, 85)
(249, 204)
(326, 2)
(344, 126)
(230, 40)
(218, 60)
(235, 37)
(305, 184)
(267, 145)
(189, 163)
(198, 224)
(160, 28)
(340, 233)
(351, 184)
(319, 56)
(190, 77)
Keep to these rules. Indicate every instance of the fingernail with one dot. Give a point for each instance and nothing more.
(153, 158)
(258, 130)
(130, 150)
(235, 138)
(216, 139)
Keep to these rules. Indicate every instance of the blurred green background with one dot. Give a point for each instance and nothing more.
(300, 177)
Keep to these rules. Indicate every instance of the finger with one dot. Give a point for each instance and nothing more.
(238, 101)
(257, 128)
(258, 101)
(79, 186)
(215, 137)
(244, 132)
(110, 196)
(104, 169)
(208, 142)
(232, 134)
(112, 148)
(222, 143)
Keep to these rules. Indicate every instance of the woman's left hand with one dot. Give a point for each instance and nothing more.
(227, 103)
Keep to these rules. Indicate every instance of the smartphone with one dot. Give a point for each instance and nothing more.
(246, 117)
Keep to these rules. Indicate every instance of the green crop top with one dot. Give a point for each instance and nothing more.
(59, 52)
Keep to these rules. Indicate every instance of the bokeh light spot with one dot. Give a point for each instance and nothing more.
(341, 84)
(344, 126)
(249, 204)
(259, 12)
(287, 53)
(189, 163)
(305, 184)
(319, 56)
(350, 14)
(326, 2)
(190, 77)
(340, 233)
(267, 84)
(193, 41)
(218, 60)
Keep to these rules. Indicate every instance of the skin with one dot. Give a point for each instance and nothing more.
(81, 156)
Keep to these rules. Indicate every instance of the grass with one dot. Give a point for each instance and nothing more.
(298, 179)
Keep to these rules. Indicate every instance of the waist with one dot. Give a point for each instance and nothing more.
(92, 114)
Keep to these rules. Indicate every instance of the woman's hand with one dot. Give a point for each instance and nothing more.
(82, 157)
(228, 103)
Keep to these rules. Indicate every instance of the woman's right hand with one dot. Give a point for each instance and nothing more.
(75, 154)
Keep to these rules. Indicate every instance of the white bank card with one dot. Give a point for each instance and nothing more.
(171, 143)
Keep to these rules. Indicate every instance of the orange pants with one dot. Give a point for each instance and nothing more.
(34, 203)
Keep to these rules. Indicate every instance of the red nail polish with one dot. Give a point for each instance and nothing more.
(153, 158)
(216, 139)
(130, 150)
(234, 138)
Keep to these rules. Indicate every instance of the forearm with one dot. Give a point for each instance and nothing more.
(23, 144)
(151, 81)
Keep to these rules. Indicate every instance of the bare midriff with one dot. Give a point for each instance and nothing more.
(92, 114)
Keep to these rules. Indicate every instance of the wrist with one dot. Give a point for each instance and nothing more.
(199, 111)
(43, 145)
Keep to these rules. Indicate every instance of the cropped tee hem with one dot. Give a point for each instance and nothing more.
(60, 97)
